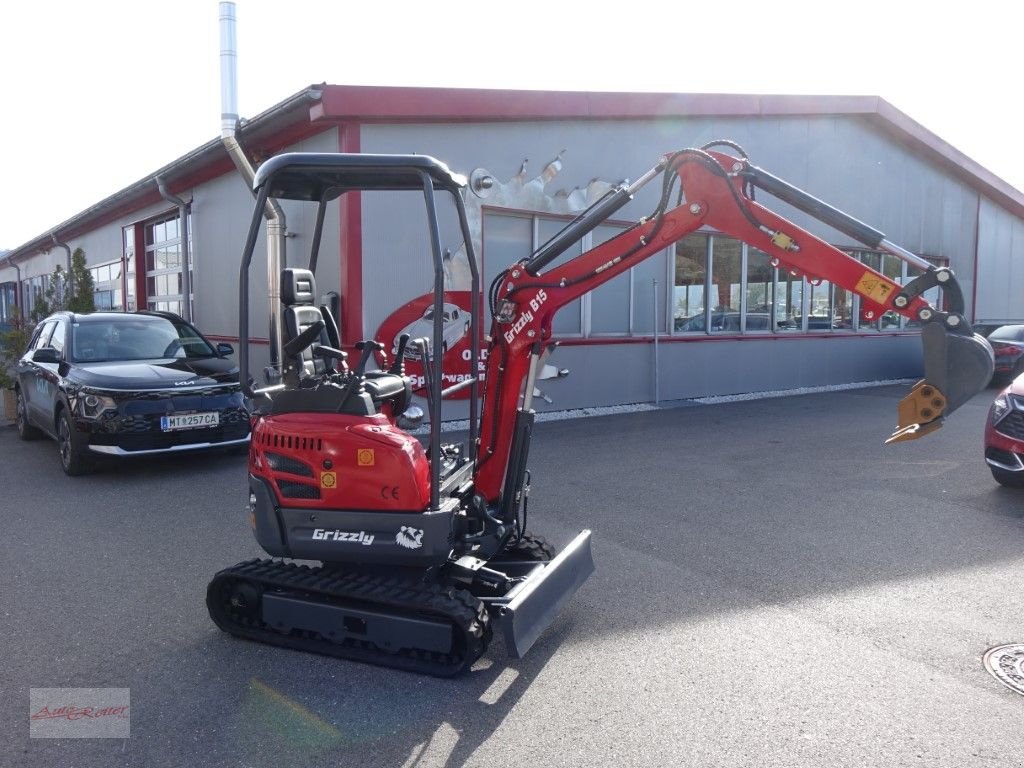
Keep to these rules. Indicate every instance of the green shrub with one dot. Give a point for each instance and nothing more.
(13, 344)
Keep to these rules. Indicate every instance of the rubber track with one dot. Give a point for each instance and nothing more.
(471, 630)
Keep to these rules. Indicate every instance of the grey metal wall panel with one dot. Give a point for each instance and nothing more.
(1000, 296)
(624, 373)
(841, 160)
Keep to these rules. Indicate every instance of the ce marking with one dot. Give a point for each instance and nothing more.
(389, 492)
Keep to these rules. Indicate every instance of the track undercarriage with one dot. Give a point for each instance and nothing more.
(405, 619)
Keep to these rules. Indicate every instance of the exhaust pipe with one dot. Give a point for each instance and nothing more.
(276, 226)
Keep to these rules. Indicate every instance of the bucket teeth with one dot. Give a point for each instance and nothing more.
(919, 413)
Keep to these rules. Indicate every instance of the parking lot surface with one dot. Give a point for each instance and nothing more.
(774, 587)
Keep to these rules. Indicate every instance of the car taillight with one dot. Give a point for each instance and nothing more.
(1006, 349)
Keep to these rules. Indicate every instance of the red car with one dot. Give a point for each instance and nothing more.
(1004, 435)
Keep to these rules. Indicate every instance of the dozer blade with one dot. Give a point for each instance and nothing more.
(537, 602)
(956, 367)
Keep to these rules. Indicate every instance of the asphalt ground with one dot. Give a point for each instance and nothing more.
(774, 587)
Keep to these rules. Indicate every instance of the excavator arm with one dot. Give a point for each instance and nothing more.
(703, 187)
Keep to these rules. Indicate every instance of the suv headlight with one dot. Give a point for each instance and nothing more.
(1000, 407)
(91, 405)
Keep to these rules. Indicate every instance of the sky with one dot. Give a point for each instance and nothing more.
(97, 95)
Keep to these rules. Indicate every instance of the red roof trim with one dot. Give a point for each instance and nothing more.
(346, 102)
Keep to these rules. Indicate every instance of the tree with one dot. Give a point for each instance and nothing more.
(81, 297)
(56, 289)
(67, 291)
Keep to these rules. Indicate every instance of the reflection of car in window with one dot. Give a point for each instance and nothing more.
(455, 324)
(729, 322)
(821, 323)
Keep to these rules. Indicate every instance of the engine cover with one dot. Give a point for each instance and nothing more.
(340, 461)
(344, 489)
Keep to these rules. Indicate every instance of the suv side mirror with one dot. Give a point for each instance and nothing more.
(224, 349)
(46, 355)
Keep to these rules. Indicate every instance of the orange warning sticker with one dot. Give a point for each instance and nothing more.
(874, 287)
(328, 479)
(364, 457)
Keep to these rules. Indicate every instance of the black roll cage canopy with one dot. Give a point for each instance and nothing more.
(323, 177)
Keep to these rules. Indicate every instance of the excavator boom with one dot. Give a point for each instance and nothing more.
(716, 190)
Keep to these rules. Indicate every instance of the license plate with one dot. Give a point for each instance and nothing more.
(189, 421)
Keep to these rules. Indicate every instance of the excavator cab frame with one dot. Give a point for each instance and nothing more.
(423, 582)
(325, 177)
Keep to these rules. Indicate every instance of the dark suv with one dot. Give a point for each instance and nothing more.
(127, 384)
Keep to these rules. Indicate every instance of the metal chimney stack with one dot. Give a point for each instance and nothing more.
(228, 132)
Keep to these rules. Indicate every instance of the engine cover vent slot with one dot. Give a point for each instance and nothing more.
(290, 442)
(281, 463)
(291, 490)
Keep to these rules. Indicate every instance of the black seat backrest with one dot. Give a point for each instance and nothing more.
(298, 295)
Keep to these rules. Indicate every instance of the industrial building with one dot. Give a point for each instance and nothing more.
(707, 317)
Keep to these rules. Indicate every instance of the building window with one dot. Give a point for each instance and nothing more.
(690, 289)
(724, 286)
(107, 291)
(617, 308)
(33, 294)
(128, 259)
(164, 266)
(8, 302)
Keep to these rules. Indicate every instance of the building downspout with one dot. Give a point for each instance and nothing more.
(18, 298)
(276, 226)
(67, 250)
(186, 277)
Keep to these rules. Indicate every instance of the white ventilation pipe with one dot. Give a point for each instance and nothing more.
(276, 228)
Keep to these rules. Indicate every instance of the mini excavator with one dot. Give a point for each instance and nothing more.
(421, 577)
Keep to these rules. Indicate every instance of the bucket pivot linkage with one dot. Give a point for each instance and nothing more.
(958, 363)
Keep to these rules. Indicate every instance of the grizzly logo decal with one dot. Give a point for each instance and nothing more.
(409, 537)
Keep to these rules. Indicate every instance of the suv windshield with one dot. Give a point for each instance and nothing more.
(135, 337)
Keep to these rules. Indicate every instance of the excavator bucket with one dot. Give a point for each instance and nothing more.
(956, 367)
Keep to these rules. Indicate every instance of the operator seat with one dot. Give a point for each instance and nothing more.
(298, 294)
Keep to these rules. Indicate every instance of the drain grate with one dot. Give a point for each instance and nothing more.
(1006, 664)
